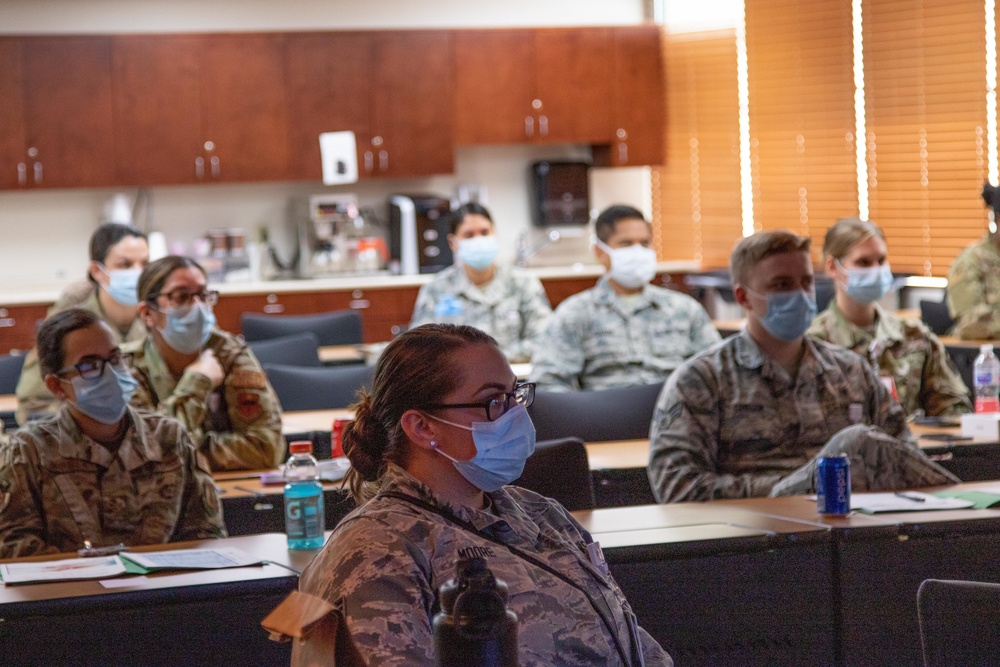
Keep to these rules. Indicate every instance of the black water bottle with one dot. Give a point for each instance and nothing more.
(474, 627)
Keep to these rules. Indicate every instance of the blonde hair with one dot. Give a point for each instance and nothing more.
(754, 249)
(847, 233)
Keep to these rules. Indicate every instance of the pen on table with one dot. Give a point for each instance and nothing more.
(910, 496)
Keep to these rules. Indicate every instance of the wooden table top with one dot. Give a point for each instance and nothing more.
(8, 403)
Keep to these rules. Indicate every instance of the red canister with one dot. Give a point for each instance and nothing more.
(337, 437)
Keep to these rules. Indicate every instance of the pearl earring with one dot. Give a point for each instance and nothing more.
(434, 444)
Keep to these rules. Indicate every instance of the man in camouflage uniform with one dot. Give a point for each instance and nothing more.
(623, 331)
(923, 375)
(512, 307)
(751, 416)
(384, 565)
(69, 478)
(974, 290)
(236, 425)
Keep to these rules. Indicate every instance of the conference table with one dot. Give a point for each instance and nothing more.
(206, 617)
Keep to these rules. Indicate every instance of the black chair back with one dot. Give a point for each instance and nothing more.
(322, 388)
(337, 327)
(964, 357)
(559, 469)
(10, 372)
(936, 316)
(300, 349)
(593, 416)
(958, 623)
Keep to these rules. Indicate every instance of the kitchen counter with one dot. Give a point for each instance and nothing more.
(47, 294)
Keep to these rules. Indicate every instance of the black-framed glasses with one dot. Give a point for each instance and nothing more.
(91, 368)
(524, 393)
(182, 298)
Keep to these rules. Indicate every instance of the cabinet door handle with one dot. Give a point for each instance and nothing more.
(274, 308)
(543, 126)
(383, 160)
(529, 126)
(622, 152)
(216, 166)
(22, 173)
(199, 168)
(38, 173)
(369, 162)
(359, 304)
(6, 321)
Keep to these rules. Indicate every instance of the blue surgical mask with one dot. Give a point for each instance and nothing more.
(502, 447)
(104, 398)
(867, 285)
(122, 285)
(187, 331)
(789, 314)
(478, 252)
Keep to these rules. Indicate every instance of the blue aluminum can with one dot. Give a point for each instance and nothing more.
(833, 486)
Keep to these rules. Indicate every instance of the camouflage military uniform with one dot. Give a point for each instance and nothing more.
(731, 423)
(512, 307)
(32, 395)
(598, 340)
(385, 562)
(237, 425)
(925, 377)
(58, 487)
(974, 291)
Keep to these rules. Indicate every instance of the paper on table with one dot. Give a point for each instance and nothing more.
(910, 501)
(62, 570)
(192, 559)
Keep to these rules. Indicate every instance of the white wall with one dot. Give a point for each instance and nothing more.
(44, 233)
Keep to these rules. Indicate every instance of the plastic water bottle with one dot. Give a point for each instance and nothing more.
(304, 513)
(474, 627)
(448, 310)
(986, 379)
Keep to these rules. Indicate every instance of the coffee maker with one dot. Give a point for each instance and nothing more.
(418, 233)
(337, 239)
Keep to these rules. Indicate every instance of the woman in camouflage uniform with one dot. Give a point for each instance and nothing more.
(912, 361)
(433, 448)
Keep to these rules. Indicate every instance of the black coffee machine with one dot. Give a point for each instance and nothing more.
(418, 233)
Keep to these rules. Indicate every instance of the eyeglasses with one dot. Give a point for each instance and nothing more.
(92, 368)
(523, 393)
(182, 298)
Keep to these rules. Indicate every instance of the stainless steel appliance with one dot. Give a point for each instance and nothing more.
(418, 233)
(336, 239)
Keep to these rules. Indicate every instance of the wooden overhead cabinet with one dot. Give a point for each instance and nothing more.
(200, 108)
(55, 112)
(549, 85)
(393, 89)
(600, 86)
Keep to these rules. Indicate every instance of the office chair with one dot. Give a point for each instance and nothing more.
(10, 372)
(958, 622)
(301, 349)
(322, 388)
(337, 327)
(559, 469)
(936, 316)
(622, 413)
(964, 358)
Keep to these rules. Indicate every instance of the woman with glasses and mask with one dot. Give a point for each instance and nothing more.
(501, 300)
(205, 377)
(98, 472)
(434, 447)
(118, 254)
(912, 361)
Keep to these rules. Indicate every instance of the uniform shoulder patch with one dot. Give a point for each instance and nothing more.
(246, 378)
(248, 405)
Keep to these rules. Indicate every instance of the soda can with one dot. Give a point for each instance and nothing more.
(833, 486)
(337, 437)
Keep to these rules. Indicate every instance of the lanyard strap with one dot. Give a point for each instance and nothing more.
(469, 526)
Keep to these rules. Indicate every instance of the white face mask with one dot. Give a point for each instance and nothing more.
(632, 266)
